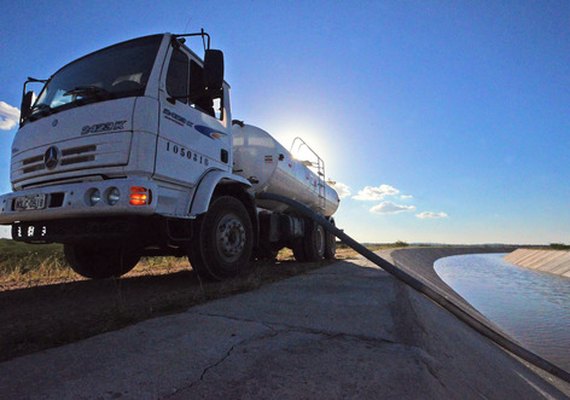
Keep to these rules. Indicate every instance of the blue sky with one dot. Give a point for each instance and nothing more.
(464, 106)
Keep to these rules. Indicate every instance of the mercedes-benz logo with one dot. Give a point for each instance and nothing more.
(51, 157)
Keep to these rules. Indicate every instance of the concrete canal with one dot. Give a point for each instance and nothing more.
(532, 307)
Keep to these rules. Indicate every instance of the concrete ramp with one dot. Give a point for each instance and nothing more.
(552, 261)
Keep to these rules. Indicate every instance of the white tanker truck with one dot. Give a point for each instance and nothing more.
(131, 151)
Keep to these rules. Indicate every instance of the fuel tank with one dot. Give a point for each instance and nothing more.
(271, 168)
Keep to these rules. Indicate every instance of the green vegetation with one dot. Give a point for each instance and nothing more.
(25, 265)
(375, 246)
(22, 258)
(559, 246)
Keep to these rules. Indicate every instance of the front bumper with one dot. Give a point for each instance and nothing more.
(71, 201)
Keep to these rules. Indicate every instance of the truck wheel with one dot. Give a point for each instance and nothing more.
(224, 242)
(315, 241)
(330, 244)
(100, 261)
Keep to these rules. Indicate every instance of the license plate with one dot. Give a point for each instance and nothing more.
(31, 202)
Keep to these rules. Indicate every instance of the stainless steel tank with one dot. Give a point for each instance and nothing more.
(271, 168)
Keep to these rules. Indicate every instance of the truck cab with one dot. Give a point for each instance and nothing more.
(118, 143)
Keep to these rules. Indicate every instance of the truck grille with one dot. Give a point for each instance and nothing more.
(82, 153)
(72, 155)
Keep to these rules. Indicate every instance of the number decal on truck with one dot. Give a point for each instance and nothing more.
(185, 153)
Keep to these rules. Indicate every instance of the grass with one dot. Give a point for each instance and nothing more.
(28, 265)
(559, 246)
(16, 257)
(24, 264)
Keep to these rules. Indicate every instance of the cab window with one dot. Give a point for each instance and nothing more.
(198, 97)
(177, 76)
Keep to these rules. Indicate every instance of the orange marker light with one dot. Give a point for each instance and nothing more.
(140, 196)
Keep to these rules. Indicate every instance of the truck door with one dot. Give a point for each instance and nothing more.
(194, 130)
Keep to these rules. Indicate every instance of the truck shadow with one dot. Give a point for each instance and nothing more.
(37, 318)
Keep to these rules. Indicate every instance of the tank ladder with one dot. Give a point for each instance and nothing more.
(318, 165)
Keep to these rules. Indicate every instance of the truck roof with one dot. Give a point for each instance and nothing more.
(129, 40)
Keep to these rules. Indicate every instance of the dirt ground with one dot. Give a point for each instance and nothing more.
(40, 315)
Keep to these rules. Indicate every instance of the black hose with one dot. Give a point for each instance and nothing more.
(479, 325)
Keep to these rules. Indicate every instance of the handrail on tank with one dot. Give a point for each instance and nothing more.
(319, 165)
(300, 146)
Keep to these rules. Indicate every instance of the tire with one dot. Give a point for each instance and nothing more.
(315, 241)
(223, 243)
(194, 251)
(100, 261)
(330, 245)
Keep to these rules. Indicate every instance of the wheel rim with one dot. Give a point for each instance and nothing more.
(320, 240)
(230, 237)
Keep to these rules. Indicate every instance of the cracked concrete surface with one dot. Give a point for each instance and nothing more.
(345, 331)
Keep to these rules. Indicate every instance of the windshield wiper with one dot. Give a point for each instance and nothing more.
(41, 107)
(40, 110)
(89, 90)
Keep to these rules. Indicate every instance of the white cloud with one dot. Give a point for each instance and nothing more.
(406, 197)
(9, 116)
(387, 207)
(431, 215)
(376, 193)
(342, 189)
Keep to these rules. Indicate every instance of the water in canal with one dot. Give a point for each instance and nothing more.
(532, 307)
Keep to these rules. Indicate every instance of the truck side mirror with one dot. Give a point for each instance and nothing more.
(26, 105)
(214, 72)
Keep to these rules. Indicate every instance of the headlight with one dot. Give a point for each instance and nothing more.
(93, 196)
(113, 196)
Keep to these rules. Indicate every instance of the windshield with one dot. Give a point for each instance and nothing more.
(118, 71)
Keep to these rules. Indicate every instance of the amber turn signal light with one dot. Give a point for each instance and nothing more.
(140, 196)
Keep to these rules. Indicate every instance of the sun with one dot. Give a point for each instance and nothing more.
(313, 134)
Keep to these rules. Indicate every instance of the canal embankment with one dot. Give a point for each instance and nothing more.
(552, 261)
(438, 331)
